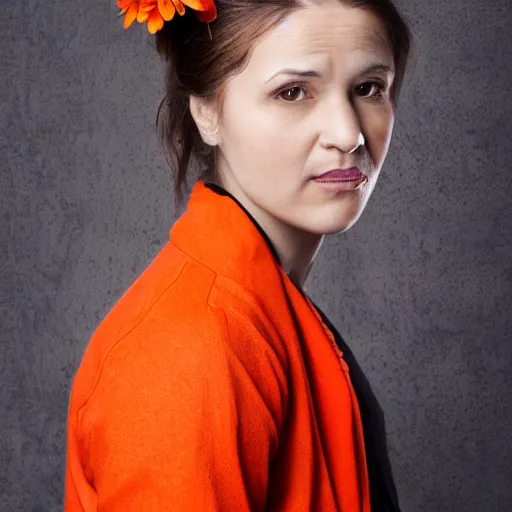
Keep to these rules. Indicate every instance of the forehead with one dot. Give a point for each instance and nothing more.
(323, 34)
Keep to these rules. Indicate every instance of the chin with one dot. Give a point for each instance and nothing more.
(334, 220)
(336, 226)
(327, 226)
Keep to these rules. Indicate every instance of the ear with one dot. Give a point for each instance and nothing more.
(205, 115)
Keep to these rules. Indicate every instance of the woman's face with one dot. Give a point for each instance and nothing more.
(278, 130)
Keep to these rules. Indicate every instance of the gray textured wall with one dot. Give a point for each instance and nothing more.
(419, 287)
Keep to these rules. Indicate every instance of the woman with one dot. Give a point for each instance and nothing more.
(215, 383)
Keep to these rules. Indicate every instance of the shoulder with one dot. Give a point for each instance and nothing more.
(139, 324)
(198, 375)
(182, 323)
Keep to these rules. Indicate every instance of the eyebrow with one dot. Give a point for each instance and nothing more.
(374, 68)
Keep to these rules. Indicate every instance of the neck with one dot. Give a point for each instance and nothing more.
(295, 248)
(297, 251)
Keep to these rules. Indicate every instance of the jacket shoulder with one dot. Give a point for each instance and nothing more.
(186, 315)
(188, 403)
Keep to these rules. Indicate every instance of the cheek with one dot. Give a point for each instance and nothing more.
(379, 130)
(260, 137)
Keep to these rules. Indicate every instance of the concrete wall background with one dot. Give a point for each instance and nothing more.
(420, 287)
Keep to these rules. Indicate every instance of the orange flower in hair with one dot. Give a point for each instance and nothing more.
(155, 12)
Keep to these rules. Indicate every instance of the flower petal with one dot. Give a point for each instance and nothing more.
(131, 14)
(199, 5)
(179, 7)
(142, 16)
(207, 16)
(123, 4)
(147, 5)
(155, 21)
(167, 9)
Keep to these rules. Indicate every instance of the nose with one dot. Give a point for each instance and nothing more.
(341, 127)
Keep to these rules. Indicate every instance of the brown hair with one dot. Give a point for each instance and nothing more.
(199, 65)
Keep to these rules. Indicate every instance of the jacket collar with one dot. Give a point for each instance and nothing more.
(217, 231)
(222, 191)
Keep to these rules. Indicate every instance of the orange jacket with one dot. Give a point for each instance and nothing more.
(214, 385)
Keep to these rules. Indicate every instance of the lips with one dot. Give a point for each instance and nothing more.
(351, 174)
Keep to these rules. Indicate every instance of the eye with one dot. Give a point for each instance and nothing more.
(291, 92)
(380, 87)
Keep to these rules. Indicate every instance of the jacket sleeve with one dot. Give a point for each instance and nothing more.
(186, 419)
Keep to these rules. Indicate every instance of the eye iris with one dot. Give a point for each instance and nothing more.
(287, 92)
(365, 86)
(369, 86)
